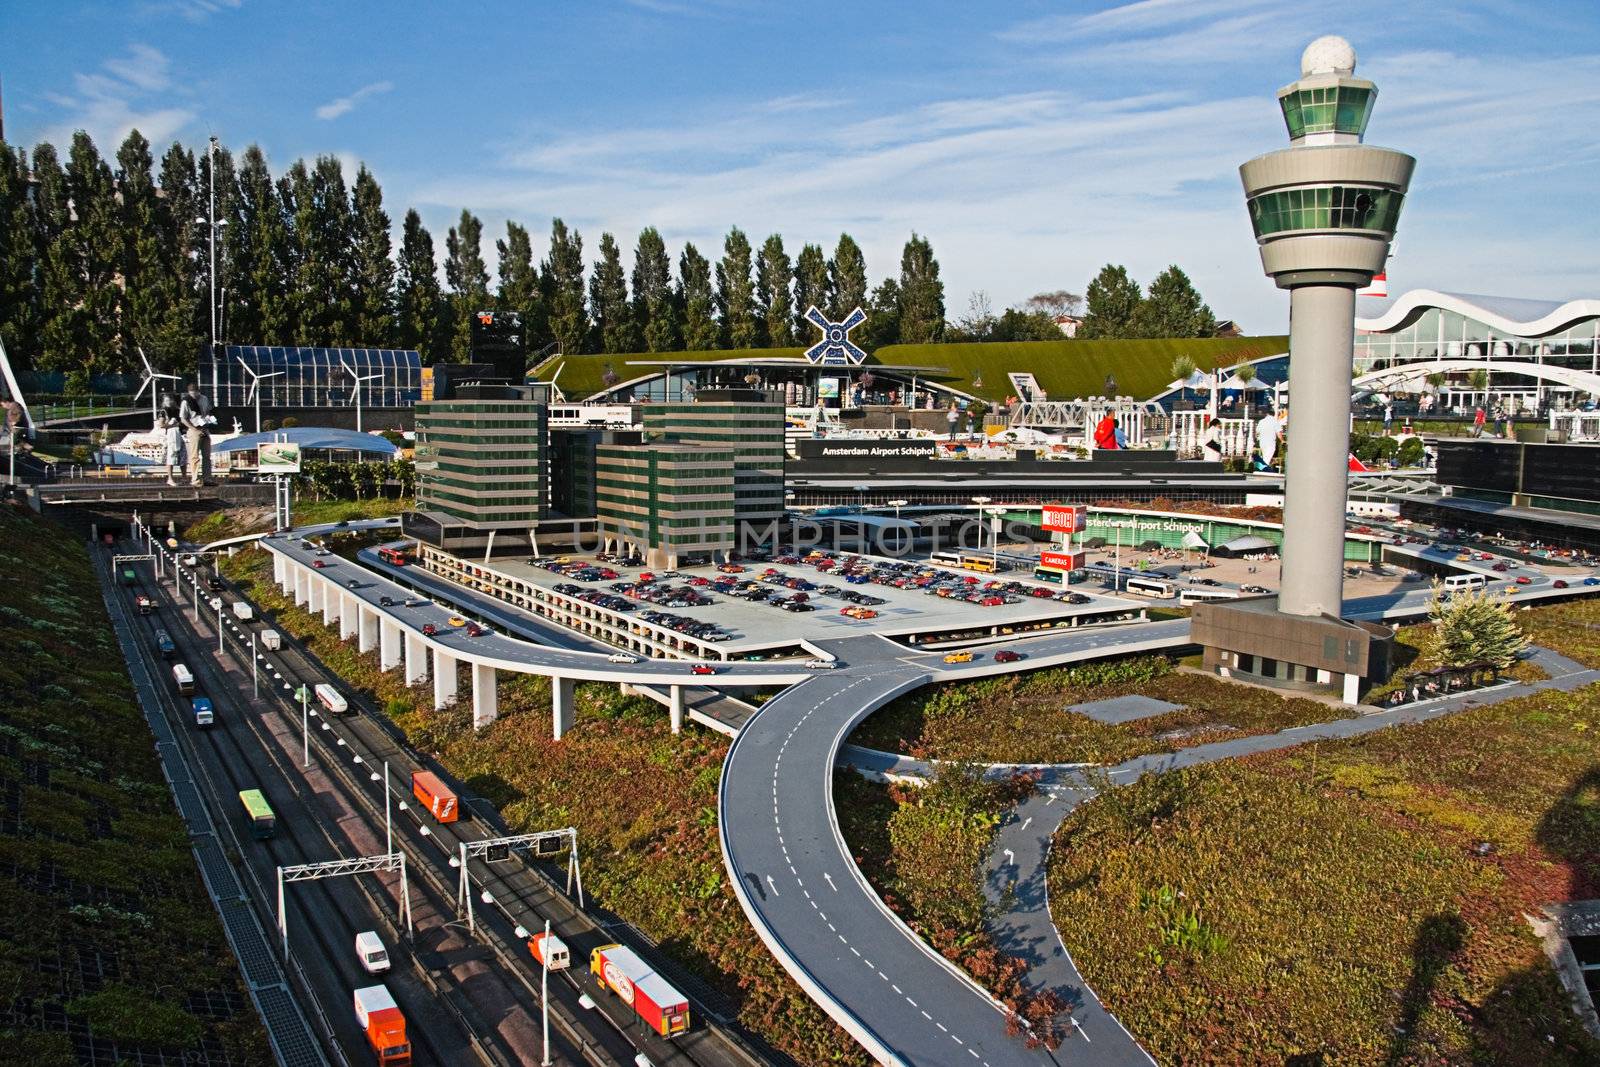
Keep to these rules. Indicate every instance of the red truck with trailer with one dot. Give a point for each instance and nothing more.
(652, 998)
(435, 796)
(384, 1025)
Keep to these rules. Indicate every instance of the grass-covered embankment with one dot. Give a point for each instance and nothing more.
(1357, 902)
(1026, 718)
(644, 803)
(106, 922)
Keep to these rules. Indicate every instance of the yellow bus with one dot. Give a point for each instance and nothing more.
(263, 823)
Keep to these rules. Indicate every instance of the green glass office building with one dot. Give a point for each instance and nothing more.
(665, 501)
(481, 456)
(750, 422)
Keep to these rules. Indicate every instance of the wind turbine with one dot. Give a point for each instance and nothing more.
(255, 387)
(150, 376)
(357, 391)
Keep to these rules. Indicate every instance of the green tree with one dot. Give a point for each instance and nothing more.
(1172, 308)
(519, 285)
(467, 275)
(418, 299)
(614, 327)
(847, 279)
(374, 264)
(1473, 626)
(562, 280)
(810, 289)
(1015, 324)
(145, 292)
(94, 250)
(323, 234)
(883, 316)
(1182, 367)
(696, 301)
(774, 277)
(57, 274)
(654, 309)
(265, 309)
(921, 293)
(1113, 300)
(179, 238)
(19, 296)
(226, 186)
(736, 296)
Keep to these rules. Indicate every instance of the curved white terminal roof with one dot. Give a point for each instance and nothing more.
(1513, 316)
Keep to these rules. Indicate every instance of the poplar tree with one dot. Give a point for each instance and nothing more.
(19, 303)
(736, 298)
(261, 264)
(696, 301)
(467, 275)
(179, 237)
(921, 293)
(418, 300)
(519, 285)
(810, 289)
(58, 279)
(93, 246)
(774, 277)
(1172, 308)
(145, 295)
(883, 316)
(374, 267)
(562, 280)
(847, 279)
(654, 309)
(614, 329)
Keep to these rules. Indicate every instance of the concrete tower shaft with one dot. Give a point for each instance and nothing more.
(1324, 212)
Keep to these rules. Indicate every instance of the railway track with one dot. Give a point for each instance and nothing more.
(600, 1028)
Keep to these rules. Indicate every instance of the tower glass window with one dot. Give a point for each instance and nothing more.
(1327, 109)
(313, 377)
(1326, 207)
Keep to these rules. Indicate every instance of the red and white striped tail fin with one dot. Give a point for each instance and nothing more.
(1379, 286)
(1358, 467)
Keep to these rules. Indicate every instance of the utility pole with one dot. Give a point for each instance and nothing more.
(255, 687)
(305, 729)
(544, 989)
(212, 174)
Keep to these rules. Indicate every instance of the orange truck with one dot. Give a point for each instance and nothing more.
(384, 1025)
(652, 998)
(435, 796)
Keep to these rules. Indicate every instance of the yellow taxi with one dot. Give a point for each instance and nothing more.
(958, 657)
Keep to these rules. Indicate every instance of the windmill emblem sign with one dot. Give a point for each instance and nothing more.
(835, 348)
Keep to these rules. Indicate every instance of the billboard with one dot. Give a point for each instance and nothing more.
(1064, 518)
(277, 457)
(827, 388)
(1061, 561)
(427, 384)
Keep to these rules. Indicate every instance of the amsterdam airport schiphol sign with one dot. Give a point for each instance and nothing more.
(277, 457)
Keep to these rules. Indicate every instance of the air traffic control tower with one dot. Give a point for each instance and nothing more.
(1324, 212)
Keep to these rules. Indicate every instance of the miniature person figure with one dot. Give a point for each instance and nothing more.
(1268, 429)
(1211, 441)
(1105, 432)
(195, 414)
(170, 427)
(1479, 416)
(951, 416)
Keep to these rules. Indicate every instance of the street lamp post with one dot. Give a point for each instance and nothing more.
(305, 729)
(978, 503)
(255, 687)
(544, 989)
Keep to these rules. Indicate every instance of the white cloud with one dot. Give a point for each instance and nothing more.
(108, 103)
(193, 10)
(345, 104)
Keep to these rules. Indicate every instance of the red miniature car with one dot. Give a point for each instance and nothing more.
(1005, 655)
(702, 668)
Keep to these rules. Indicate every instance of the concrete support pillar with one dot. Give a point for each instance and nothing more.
(485, 700)
(330, 603)
(416, 658)
(444, 679)
(628, 690)
(388, 644)
(1322, 329)
(676, 692)
(349, 610)
(366, 629)
(1352, 688)
(300, 580)
(562, 711)
(279, 563)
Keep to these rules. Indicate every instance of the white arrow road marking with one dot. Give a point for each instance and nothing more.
(1011, 857)
(772, 885)
(1079, 1027)
(1026, 821)
(1050, 798)
(829, 879)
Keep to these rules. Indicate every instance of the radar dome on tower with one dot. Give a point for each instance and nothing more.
(1328, 55)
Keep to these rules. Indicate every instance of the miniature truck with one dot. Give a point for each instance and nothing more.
(385, 1026)
(652, 998)
(559, 957)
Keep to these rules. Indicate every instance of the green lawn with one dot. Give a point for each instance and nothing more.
(1330, 904)
(105, 916)
(1066, 369)
(1024, 718)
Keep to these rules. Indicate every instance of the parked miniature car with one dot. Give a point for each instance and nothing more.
(958, 657)
(622, 657)
(822, 664)
(1523, 579)
(1005, 655)
(429, 629)
(702, 668)
(456, 620)
(317, 563)
(1559, 583)
(474, 630)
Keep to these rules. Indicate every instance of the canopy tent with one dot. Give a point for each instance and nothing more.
(1245, 543)
(1233, 381)
(311, 437)
(1194, 542)
(1197, 379)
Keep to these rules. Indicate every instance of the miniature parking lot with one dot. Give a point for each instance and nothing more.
(758, 606)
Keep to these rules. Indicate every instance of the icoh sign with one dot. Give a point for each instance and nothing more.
(1061, 561)
(1064, 518)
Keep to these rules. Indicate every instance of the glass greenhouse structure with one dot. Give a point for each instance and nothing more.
(313, 377)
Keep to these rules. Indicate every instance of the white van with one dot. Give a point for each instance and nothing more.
(271, 640)
(370, 951)
(183, 678)
(242, 611)
(1458, 582)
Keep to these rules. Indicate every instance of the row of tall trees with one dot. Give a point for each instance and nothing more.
(1170, 307)
(99, 258)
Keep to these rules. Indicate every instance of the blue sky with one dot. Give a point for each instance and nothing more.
(1031, 141)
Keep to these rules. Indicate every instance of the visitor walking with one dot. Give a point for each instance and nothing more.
(195, 415)
(1478, 416)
